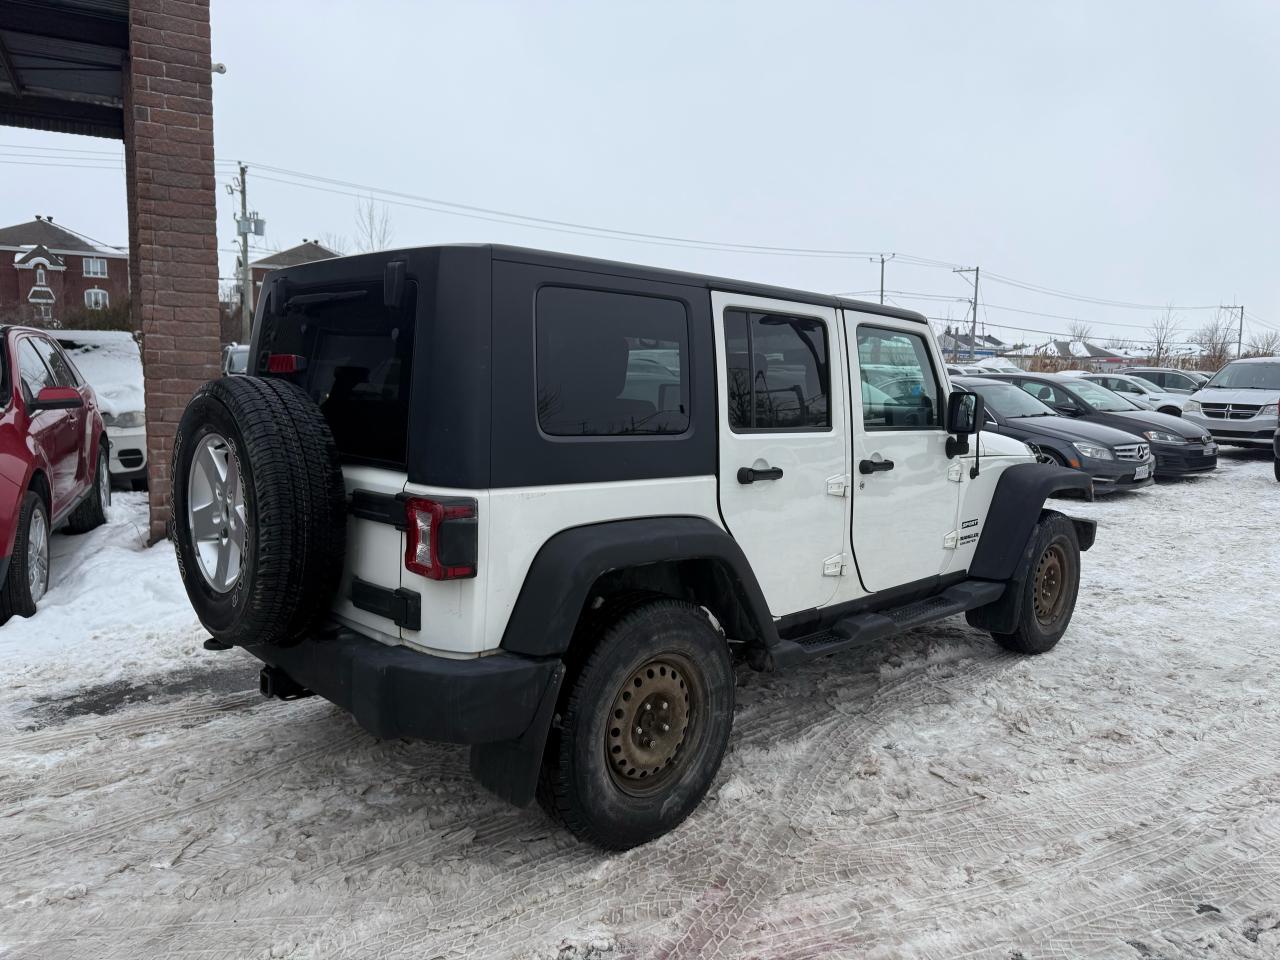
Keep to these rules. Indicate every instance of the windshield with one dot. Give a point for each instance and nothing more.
(1100, 398)
(1010, 402)
(1247, 376)
(1144, 382)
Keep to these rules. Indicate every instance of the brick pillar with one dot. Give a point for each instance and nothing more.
(173, 256)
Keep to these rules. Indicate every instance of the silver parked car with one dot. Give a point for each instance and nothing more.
(1238, 406)
(1140, 388)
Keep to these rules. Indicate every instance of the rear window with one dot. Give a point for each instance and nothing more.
(611, 364)
(359, 360)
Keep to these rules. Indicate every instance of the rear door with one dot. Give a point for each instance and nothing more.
(79, 422)
(357, 366)
(906, 490)
(783, 470)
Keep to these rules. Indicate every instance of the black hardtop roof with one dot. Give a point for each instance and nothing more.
(313, 271)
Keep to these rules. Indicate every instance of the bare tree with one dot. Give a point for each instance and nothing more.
(1118, 343)
(1162, 332)
(1264, 344)
(1215, 340)
(337, 242)
(373, 226)
(1080, 330)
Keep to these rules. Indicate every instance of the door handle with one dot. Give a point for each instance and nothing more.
(749, 475)
(874, 466)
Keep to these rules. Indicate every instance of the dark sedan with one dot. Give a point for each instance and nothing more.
(1180, 446)
(1116, 460)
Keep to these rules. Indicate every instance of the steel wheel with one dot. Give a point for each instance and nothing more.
(653, 724)
(1051, 585)
(216, 512)
(38, 555)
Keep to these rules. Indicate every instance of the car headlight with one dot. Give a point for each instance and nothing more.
(1191, 406)
(1093, 451)
(134, 418)
(1159, 436)
(1269, 410)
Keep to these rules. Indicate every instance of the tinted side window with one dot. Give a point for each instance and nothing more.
(778, 371)
(899, 388)
(57, 363)
(1046, 393)
(611, 364)
(35, 375)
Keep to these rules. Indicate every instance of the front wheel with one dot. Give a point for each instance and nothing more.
(643, 729)
(1049, 587)
(1276, 466)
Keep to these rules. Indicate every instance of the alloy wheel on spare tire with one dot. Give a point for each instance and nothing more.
(259, 510)
(643, 726)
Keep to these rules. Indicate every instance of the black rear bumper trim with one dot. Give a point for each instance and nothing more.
(400, 692)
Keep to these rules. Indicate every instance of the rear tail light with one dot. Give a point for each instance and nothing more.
(441, 540)
(285, 363)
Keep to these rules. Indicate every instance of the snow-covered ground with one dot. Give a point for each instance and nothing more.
(929, 798)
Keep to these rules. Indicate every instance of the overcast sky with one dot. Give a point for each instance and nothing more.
(1119, 151)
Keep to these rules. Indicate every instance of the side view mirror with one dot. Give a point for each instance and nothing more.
(965, 413)
(56, 398)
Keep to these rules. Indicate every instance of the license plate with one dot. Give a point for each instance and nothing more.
(1142, 472)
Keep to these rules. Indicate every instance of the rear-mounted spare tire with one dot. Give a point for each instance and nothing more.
(259, 510)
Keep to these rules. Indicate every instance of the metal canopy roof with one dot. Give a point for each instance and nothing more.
(62, 65)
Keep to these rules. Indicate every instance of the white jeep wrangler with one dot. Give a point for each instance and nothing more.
(541, 504)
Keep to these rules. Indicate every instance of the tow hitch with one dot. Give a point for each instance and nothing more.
(274, 682)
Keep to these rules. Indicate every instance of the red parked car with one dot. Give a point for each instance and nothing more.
(53, 462)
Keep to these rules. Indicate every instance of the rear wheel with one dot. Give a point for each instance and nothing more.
(28, 577)
(643, 728)
(1049, 587)
(92, 512)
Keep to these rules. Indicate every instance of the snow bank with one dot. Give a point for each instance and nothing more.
(110, 361)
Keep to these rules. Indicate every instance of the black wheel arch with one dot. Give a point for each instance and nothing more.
(678, 556)
(1015, 509)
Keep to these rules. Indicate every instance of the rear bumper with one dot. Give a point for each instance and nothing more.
(398, 692)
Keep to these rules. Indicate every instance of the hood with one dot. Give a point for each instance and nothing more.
(1068, 428)
(1143, 420)
(1219, 395)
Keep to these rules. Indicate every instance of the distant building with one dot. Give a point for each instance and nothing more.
(48, 272)
(1078, 354)
(305, 252)
(958, 345)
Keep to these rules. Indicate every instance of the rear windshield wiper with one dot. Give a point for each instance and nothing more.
(303, 300)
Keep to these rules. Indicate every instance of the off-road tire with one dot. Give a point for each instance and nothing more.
(1048, 598)
(91, 514)
(295, 510)
(576, 786)
(15, 594)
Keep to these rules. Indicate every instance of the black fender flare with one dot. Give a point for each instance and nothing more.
(562, 573)
(1014, 511)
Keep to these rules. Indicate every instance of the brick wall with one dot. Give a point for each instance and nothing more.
(172, 218)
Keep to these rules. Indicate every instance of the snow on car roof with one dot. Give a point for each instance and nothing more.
(110, 362)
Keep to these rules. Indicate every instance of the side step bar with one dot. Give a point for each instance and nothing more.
(867, 627)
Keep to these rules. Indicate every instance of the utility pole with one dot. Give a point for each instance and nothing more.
(1239, 329)
(891, 256)
(973, 335)
(245, 225)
